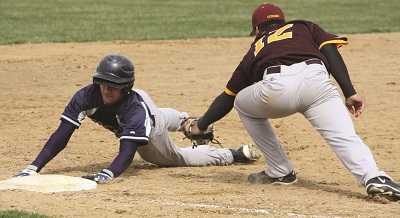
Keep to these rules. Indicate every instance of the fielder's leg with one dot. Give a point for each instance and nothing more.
(334, 123)
(328, 114)
(253, 112)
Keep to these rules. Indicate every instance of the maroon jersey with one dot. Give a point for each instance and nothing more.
(290, 43)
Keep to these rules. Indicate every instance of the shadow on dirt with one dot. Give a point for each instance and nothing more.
(231, 177)
(329, 187)
(96, 167)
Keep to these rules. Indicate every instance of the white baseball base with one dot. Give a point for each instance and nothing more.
(48, 183)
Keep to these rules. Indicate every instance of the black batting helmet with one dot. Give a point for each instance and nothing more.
(116, 71)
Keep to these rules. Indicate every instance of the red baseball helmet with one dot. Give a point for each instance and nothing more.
(266, 12)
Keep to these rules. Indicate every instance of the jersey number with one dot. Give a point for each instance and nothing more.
(278, 35)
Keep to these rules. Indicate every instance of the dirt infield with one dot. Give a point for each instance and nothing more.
(38, 80)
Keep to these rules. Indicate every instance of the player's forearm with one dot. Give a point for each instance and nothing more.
(221, 106)
(124, 158)
(57, 142)
(338, 69)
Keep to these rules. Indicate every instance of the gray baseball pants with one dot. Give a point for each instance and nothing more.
(306, 89)
(162, 151)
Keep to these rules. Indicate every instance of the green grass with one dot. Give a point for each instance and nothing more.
(24, 21)
(19, 214)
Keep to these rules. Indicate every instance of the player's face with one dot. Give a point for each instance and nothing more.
(110, 94)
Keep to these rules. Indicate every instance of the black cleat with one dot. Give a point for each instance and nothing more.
(382, 186)
(262, 178)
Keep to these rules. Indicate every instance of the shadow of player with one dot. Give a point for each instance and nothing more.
(328, 187)
(96, 167)
(334, 188)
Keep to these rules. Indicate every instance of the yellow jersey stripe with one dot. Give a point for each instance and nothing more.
(229, 92)
(340, 42)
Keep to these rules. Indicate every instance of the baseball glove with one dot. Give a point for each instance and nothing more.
(202, 138)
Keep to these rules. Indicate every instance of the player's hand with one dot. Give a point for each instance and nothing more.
(355, 104)
(104, 176)
(30, 170)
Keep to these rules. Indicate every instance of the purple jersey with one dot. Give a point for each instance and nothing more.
(130, 119)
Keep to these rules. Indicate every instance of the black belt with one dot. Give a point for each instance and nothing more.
(277, 69)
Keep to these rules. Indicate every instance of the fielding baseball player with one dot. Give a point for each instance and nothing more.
(138, 123)
(286, 71)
